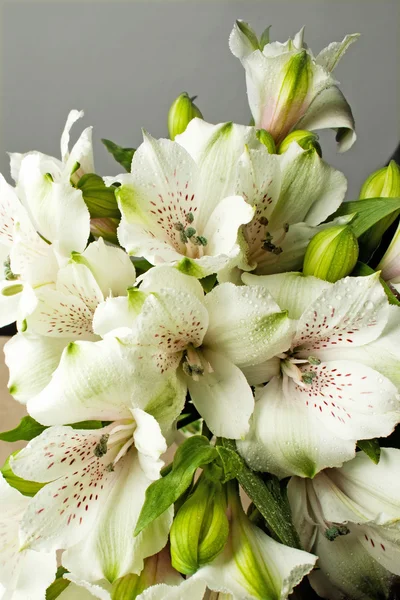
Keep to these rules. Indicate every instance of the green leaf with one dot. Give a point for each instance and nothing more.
(27, 488)
(122, 155)
(99, 198)
(208, 282)
(160, 495)
(371, 449)
(361, 270)
(265, 38)
(272, 504)
(58, 585)
(27, 429)
(367, 212)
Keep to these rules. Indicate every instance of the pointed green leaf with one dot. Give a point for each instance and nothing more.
(160, 495)
(58, 585)
(27, 488)
(99, 198)
(371, 449)
(265, 497)
(265, 38)
(367, 212)
(122, 155)
(27, 429)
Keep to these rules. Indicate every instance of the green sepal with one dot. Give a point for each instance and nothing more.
(249, 33)
(265, 138)
(99, 198)
(265, 37)
(160, 495)
(208, 282)
(267, 497)
(28, 429)
(122, 155)
(141, 265)
(58, 585)
(25, 487)
(188, 266)
(362, 270)
(371, 448)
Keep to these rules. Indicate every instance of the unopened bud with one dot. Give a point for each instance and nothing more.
(99, 198)
(306, 140)
(384, 183)
(331, 254)
(200, 529)
(182, 111)
(266, 138)
(105, 228)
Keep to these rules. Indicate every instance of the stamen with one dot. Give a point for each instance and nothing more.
(308, 377)
(101, 448)
(123, 450)
(335, 531)
(8, 274)
(313, 360)
(200, 240)
(179, 226)
(189, 217)
(190, 231)
(263, 221)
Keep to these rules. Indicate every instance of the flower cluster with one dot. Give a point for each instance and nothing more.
(221, 302)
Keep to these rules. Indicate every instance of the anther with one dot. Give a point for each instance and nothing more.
(101, 448)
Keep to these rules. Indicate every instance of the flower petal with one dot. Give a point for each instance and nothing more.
(162, 277)
(329, 57)
(291, 291)
(311, 189)
(286, 438)
(353, 313)
(223, 397)
(41, 357)
(330, 109)
(190, 588)
(10, 211)
(246, 325)
(222, 227)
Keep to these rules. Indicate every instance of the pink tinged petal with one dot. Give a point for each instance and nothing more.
(221, 392)
(64, 510)
(353, 401)
(353, 313)
(286, 438)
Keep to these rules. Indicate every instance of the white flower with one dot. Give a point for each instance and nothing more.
(337, 384)
(42, 221)
(292, 194)
(24, 574)
(390, 262)
(289, 89)
(350, 518)
(252, 565)
(98, 482)
(181, 209)
(64, 313)
(198, 342)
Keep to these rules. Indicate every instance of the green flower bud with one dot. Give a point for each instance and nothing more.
(200, 529)
(266, 138)
(182, 111)
(306, 139)
(105, 228)
(99, 198)
(331, 254)
(384, 183)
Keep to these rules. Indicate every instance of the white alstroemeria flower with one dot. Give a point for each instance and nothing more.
(98, 482)
(181, 338)
(24, 574)
(73, 164)
(337, 384)
(252, 565)
(350, 518)
(292, 194)
(180, 210)
(289, 89)
(157, 581)
(64, 314)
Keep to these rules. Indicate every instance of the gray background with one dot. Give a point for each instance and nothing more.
(124, 62)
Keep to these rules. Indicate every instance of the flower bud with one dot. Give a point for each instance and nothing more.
(105, 228)
(384, 183)
(331, 254)
(266, 138)
(99, 198)
(200, 529)
(182, 111)
(306, 140)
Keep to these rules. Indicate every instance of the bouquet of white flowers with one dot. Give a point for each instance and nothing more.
(219, 300)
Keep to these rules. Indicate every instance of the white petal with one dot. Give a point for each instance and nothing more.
(222, 227)
(303, 502)
(57, 209)
(10, 299)
(239, 44)
(75, 592)
(311, 189)
(82, 154)
(286, 437)
(383, 544)
(41, 356)
(223, 397)
(115, 316)
(291, 291)
(10, 211)
(111, 267)
(111, 545)
(73, 116)
(329, 57)
(163, 277)
(190, 588)
(257, 374)
(139, 240)
(246, 325)
(352, 313)
(149, 442)
(330, 109)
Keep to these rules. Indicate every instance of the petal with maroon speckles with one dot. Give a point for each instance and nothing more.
(353, 312)
(353, 401)
(286, 438)
(11, 211)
